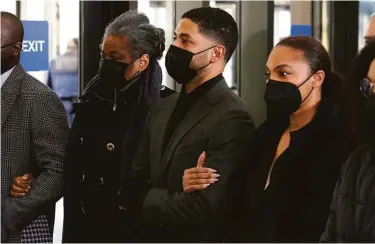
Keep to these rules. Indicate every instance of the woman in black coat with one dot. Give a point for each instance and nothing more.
(352, 217)
(297, 152)
(106, 130)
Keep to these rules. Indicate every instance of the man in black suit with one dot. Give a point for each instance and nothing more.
(206, 116)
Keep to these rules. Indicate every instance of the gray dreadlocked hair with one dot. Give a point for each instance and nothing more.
(143, 37)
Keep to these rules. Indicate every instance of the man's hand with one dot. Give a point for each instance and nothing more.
(199, 178)
(21, 185)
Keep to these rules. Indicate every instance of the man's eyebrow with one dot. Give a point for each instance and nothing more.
(183, 34)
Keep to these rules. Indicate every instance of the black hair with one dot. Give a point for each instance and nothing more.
(143, 37)
(16, 24)
(218, 25)
(318, 58)
(356, 102)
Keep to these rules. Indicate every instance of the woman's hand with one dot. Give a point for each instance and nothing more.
(200, 177)
(21, 185)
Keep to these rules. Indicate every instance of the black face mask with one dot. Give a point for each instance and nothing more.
(177, 63)
(112, 73)
(283, 98)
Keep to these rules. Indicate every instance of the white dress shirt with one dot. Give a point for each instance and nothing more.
(5, 76)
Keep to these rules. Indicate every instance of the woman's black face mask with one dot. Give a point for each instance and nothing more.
(283, 98)
(112, 73)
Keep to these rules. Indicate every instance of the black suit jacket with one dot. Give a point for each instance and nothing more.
(218, 124)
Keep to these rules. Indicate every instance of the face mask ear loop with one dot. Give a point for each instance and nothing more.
(204, 50)
(305, 80)
(304, 100)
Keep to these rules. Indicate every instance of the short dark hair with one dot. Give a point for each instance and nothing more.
(143, 37)
(16, 22)
(218, 25)
(318, 58)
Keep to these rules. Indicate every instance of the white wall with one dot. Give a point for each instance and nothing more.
(8, 6)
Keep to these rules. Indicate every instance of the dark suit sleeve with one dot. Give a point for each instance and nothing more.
(227, 152)
(49, 139)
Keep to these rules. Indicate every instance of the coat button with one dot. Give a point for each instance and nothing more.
(83, 178)
(110, 147)
(101, 181)
(81, 140)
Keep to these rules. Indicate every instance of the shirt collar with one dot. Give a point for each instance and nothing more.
(202, 89)
(6, 75)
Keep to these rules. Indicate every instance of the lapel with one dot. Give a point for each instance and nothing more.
(311, 143)
(9, 91)
(196, 114)
(163, 127)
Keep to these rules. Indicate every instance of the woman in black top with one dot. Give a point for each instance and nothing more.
(297, 152)
(106, 130)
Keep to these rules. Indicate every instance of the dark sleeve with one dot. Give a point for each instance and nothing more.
(351, 166)
(49, 135)
(4, 229)
(226, 152)
(70, 197)
(316, 211)
(136, 180)
(324, 177)
(329, 234)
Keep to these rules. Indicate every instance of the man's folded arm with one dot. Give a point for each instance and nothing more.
(227, 152)
(49, 140)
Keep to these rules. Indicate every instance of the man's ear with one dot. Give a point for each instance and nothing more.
(218, 53)
(17, 48)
